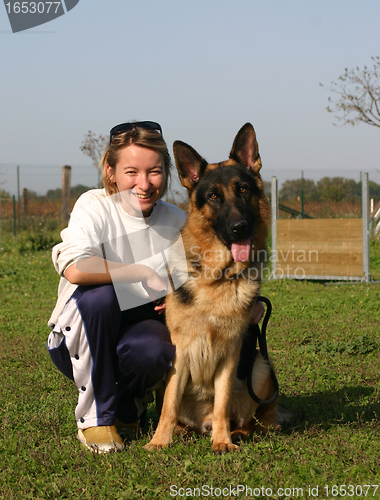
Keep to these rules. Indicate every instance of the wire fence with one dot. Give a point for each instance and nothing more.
(41, 178)
(30, 195)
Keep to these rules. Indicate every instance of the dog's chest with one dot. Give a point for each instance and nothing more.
(205, 353)
(211, 342)
(226, 297)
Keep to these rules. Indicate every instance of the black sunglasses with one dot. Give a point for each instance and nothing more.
(123, 127)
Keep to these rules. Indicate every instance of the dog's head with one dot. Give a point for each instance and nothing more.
(228, 195)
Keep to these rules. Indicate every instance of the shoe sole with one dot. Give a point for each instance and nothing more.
(100, 448)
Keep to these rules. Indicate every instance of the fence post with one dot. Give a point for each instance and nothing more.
(66, 187)
(14, 215)
(274, 203)
(365, 215)
(18, 198)
(25, 201)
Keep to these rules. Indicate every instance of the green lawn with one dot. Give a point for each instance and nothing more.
(325, 342)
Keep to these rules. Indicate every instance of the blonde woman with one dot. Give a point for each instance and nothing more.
(108, 332)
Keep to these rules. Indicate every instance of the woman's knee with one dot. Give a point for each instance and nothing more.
(98, 300)
(145, 348)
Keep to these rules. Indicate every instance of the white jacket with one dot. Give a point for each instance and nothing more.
(100, 227)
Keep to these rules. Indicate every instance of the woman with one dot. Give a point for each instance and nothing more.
(107, 333)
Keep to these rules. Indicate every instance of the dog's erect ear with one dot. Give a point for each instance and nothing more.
(190, 164)
(245, 149)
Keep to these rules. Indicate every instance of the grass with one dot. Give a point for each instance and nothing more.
(325, 342)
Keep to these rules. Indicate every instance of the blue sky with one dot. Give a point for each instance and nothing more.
(200, 68)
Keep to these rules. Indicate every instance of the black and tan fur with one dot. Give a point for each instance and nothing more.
(209, 315)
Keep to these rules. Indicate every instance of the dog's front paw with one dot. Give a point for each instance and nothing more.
(222, 448)
(154, 445)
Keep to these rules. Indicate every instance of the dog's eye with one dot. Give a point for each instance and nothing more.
(213, 196)
(243, 189)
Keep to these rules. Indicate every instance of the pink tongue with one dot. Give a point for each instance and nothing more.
(240, 250)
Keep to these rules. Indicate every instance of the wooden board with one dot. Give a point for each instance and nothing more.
(320, 247)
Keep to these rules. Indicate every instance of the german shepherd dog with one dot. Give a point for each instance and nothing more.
(207, 317)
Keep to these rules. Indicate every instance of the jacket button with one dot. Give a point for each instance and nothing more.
(76, 356)
(82, 420)
(68, 328)
(83, 388)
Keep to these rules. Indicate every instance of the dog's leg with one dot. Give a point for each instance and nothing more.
(221, 437)
(175, 386)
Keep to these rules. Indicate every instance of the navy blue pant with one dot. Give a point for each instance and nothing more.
(130, 351)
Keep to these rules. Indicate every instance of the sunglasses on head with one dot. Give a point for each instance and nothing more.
(123, 127)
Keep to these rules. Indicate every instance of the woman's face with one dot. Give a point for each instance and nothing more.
(139, 176)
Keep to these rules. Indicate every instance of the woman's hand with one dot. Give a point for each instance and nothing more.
(154, 283)
(155, 286)
(160, 308)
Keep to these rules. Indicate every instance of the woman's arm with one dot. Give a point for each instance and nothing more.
(98, 271)
(90, 271)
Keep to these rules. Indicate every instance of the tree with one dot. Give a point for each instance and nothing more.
(75, 192)
(328, 189)
(336, 189)
(4, 194)
(94, 147)
(292, 189)
(374, 190)
(359, 95)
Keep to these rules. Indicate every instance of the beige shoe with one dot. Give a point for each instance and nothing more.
(102, 439)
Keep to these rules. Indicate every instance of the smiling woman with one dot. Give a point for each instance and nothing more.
(139, 175)
(137, 134)
(108, 334)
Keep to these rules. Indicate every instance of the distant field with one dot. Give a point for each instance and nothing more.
(325, 209)
(320, 209)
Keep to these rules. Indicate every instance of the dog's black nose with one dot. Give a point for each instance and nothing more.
(239, 227)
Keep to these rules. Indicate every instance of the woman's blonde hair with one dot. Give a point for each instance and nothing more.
(146, 138)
